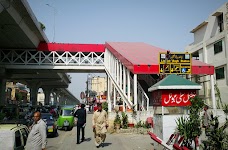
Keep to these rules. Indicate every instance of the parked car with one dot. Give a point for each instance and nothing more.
(66, 118)
(51, 124)
(13, 136)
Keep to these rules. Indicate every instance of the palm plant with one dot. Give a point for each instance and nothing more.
(189, 127)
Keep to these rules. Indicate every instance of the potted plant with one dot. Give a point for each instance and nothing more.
(133, 115)
(125, 120)
(117, 121)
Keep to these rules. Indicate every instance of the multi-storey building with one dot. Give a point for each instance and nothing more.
(16, 93)
(211, 46)
(99, 85)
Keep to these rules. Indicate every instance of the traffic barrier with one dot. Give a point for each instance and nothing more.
(159, 141)
(175, 141)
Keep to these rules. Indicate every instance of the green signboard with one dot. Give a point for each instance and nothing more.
(175, 63)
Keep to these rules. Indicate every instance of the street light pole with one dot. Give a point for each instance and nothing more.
(54, 10)
(87, 88)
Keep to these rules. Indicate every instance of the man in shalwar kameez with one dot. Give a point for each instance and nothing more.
(100, 124)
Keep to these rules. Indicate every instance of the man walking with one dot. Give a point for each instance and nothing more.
(80, 114)
(206, 120)
(37, 139)
(100, 124)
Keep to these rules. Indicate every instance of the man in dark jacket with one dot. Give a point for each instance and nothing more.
(80, 114)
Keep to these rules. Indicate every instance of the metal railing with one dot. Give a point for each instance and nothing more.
(33, 57)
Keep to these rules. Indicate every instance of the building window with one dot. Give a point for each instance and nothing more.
(219, 73)
(220, 22)
(217, 47)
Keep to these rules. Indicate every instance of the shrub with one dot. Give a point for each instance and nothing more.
(117, 119)
(124, 120)
(189, 127)
(105, 106)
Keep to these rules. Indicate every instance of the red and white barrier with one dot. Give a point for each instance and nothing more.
(159, 141)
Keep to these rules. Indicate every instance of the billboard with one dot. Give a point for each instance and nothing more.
(175, 63)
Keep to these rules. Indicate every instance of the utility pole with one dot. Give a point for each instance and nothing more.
(54, 11)
(167, 57)
(87, 88)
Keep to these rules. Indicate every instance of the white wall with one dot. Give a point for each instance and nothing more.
(204, 40)
(199, 35)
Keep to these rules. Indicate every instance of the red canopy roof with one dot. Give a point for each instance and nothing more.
(71, 47)
(141, 58)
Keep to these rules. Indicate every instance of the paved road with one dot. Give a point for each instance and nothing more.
(67, 140)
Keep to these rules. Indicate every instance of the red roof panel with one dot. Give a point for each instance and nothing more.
(62, 47)
(141, 58)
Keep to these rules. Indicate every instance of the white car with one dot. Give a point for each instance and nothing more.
(13, 136)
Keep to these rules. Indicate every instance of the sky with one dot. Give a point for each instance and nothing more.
(162, 23)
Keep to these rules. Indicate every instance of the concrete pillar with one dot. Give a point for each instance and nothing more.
(47, 92)
(55, 98)
(65, 100)
(33, 87)
(213, 92)
(2, 92)
(61, 97)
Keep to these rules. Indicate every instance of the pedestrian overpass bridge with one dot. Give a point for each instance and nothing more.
(131, 68)
(26, 54)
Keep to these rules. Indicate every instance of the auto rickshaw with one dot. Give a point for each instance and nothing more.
(66, 119)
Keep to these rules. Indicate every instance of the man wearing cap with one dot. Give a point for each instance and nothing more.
(100, 124)
(80, 114)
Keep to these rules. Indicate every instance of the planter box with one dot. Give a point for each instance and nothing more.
(121, 108)
(131, 125)
(135, 131)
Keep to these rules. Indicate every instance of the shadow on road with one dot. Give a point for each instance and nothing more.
(106, 144)
(87, 139)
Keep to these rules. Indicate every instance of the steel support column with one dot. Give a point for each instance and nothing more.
(114, 97)
(109, 95)
(135, 92)
(128, 86)
(124, 85)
